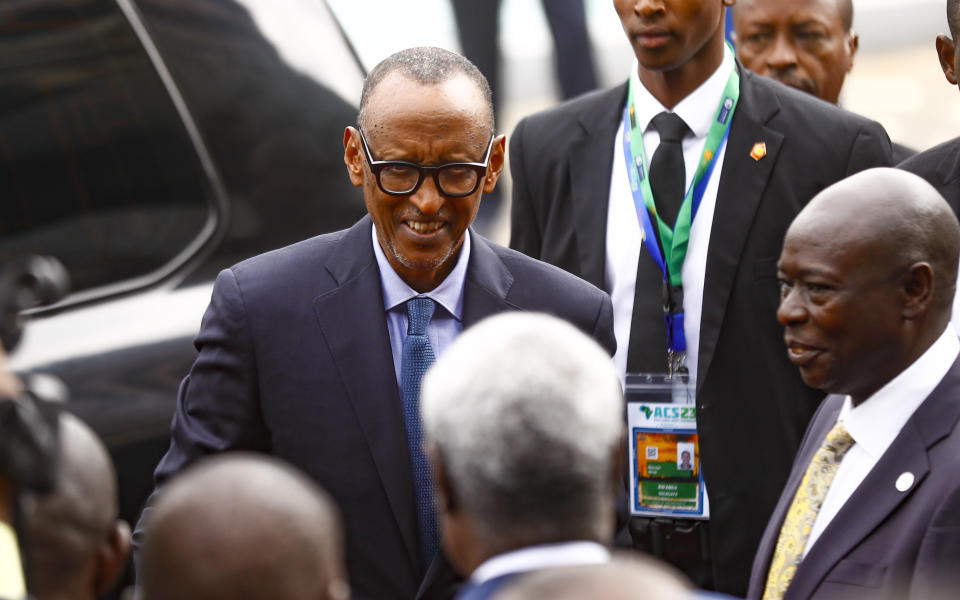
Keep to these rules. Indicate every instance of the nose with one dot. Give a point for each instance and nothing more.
(648, 8)
(782, 55)
(428, 198)
(792, 309)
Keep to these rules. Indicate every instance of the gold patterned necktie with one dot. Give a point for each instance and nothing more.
(803, 511)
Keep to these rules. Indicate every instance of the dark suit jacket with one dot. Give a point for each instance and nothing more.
(940, 166)
(884, 543)
(295, 360)
(752, 405)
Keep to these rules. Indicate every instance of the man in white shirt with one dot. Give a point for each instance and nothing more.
(578, 205)
(523, 418)
(872, 507)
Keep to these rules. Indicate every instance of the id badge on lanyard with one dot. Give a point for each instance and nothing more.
(665, 474)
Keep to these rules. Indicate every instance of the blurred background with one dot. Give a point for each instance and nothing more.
(896, 79)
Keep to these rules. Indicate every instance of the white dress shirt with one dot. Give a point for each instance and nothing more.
(877, 421)
(545, 556)
(624, 236)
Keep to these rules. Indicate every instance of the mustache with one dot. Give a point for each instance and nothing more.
(804, 84)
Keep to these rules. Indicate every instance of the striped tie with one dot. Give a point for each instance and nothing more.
(803, 511)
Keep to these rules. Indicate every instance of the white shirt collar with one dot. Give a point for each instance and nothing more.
(877, 421)
(697, 110)
(544, 556)
(449, 294)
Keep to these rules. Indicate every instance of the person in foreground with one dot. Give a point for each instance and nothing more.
(524, 423)
(872, 506)
(314, 352)
(242, 526)
(76, 547)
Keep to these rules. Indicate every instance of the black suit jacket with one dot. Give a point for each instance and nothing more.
(940, 166)
(752, 405)
(884, 543)
(295, 360)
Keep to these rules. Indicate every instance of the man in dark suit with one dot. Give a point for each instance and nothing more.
(313, 352)
(940, 165)
(872, 506)
(573, 206)
(524, 420)
(806, 44)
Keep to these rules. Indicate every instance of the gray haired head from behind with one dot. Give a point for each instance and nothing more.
(525, 413)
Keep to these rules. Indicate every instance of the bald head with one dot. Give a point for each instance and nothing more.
(897, 217)
(77, 547)
(242, 527)
(868, 274)
(626, 578)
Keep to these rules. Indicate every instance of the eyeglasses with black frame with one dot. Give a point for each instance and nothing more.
(400, 178)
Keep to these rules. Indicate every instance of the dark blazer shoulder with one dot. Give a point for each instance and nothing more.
(309, 267)
(940, 167)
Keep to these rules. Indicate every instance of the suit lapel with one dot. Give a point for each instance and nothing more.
(353, 321)
(742, 182)
(487, 285)
(877, 497)
(591, 160)
(819, 429)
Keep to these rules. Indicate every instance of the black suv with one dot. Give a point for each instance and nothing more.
(147, 144)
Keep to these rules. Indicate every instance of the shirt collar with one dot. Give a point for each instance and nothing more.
(697, 110)
(544, 556)
(877, 421)
(449, 294)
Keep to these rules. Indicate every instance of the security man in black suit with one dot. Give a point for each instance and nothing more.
(940, 165)
(750, 152)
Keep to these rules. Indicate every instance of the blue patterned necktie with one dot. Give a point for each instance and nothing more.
(416, 359)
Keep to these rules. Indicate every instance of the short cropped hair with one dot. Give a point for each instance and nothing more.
(526, 413)
(426, 65)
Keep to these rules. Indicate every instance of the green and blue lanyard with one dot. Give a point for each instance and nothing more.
(667, 246)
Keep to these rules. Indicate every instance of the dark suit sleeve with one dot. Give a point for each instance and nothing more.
(937, 572)
(524, 232)
(217, 405)
(603, 326)
(871, 148)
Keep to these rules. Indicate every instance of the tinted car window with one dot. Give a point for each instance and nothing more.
(95, 165)
(274, 127)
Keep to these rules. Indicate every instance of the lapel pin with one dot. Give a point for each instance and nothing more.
(758, 151)
(905, 481)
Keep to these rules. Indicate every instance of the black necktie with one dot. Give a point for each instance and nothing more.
(647, 350)
(667, 173)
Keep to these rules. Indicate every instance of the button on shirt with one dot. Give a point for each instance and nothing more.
(624, 237)
(447, 321)
(877, 421)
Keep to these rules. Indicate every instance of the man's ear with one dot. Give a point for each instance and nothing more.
(946, 52)
(498, 157)
(917, 290)
(853, 44)
(352, 155)
(112, 557)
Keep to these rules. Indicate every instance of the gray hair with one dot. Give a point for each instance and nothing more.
(426, 65)
(525, 412)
